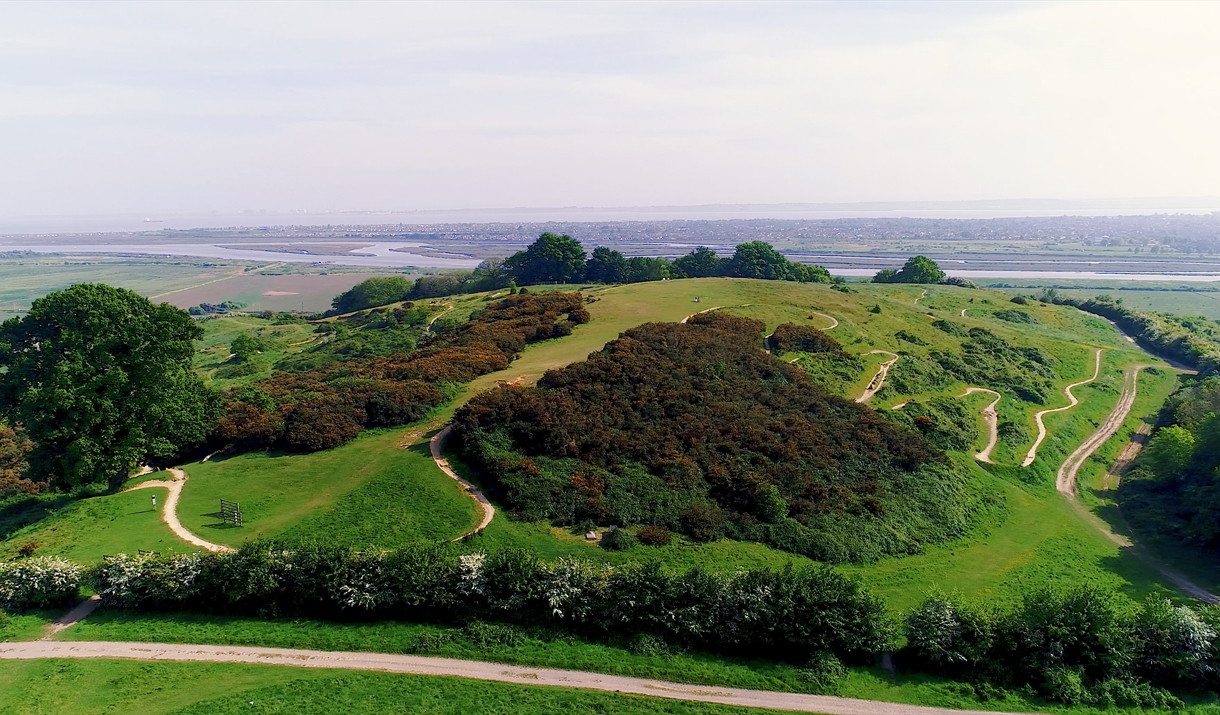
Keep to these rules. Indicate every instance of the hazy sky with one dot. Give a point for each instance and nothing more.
(172, 107)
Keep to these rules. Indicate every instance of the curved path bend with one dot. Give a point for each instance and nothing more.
(436, 446)
(169, 512)
(1072, 402)
(472, 669)
(878, 380)
(834, 323)
(993, 422)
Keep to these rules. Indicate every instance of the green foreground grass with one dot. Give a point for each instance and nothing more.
(64, 687)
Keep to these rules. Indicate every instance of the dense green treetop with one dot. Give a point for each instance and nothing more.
(372, 293)
(606, 266)
(917, 269)
(701, 263)
(100, 379)
(550, 259)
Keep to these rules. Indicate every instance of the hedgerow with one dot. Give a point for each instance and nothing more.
(787, 614)
(690, 426)
(40, 582)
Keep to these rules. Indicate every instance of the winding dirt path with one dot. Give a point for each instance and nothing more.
(922, 294)
(878, 380)
(436, 446)
(964, 312)
(834, 323)
(1072, 402)
(993, 422)
(472, 669)
(169, 512)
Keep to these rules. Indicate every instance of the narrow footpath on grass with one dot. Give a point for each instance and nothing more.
(1072, 402)
(476, 670)
(991, 418)
(878, 381)
(169, 512)
(436, 446)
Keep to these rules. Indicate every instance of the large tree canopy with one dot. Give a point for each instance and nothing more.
(917, 269)
(550, 259)
(372, 293)
(100, 379)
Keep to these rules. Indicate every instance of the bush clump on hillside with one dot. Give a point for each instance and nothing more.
(987, 359)
(943, 421)
(684, 425)
(1012, 315)
(791, 337)
(323, 406)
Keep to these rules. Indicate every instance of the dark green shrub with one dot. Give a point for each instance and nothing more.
(824, 672)
(619, 540)
(653, 535)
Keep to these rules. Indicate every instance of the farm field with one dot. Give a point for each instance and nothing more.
(1184, 299)
(274, 292)
(24, 279)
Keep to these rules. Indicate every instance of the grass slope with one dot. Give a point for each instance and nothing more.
(369, 491)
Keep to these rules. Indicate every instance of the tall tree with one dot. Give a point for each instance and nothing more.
(917, 269)
(700, 263)
(100, 379)
(550, 259)
(606, 266)
(371, 293)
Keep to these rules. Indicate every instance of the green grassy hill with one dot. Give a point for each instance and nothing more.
(373, 491)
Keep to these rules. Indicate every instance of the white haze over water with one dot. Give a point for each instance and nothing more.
(163, 110)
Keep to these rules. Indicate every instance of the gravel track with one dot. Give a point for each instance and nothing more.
(476, 670)
(878, 380)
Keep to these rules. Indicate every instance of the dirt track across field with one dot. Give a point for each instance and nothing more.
(476, 670)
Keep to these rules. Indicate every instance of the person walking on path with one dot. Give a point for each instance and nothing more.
(154, 502)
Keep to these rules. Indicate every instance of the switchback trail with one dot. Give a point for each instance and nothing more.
(1072, 402)
(476, 670)
(992, 420)
(436, 445)
(169, 512)
(878, 380)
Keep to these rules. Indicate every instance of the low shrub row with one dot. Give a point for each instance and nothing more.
(785, 614)
(42, 582)
(1079, 646)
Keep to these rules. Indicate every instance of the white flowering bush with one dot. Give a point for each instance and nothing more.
(370, 582)
(39, 582)
(130, 581)
(471, 579)
(933, 631)
(574, 588)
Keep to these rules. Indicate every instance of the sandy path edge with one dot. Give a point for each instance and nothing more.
(1072, 402)
(834, 323)
(993, 422)
(169, 512)
(477, 670)
(878, 381)
(436, 446)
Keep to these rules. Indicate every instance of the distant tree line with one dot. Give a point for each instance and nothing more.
(561, 259)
